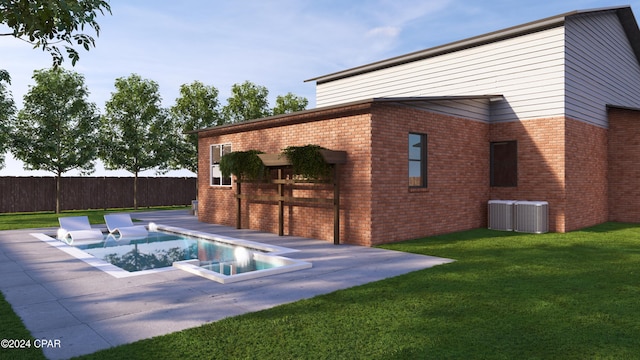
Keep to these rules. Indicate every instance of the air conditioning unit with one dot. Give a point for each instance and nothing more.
(532, 216)
(501, 214)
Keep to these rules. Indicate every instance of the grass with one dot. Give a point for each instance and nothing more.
(508, 295)
(12, 221)
(12, 328)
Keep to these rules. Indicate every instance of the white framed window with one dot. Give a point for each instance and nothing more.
(217, 151)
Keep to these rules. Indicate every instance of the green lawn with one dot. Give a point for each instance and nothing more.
(12, 328)
(11, 221)
(508, 296)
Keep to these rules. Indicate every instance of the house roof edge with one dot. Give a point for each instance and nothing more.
(622, 107)
(291, 118)
(351, 108)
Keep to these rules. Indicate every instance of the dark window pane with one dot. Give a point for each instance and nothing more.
(504, 163)
(226, 149)
(216, 153)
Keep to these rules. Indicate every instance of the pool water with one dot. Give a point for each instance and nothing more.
(212, 256)
(161, 249)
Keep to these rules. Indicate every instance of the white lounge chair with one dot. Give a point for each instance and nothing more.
(76, 230)
(123, 225)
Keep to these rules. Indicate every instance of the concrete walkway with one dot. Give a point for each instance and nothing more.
(62, 298)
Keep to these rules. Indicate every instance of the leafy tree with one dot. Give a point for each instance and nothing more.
(7, 112)
(289, 103)
(248, 101)
(4, 76)
(196, 108)
(46, 23)
(136, 132)
(56, 130)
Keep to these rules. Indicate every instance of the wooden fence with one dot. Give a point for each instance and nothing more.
(23, 194)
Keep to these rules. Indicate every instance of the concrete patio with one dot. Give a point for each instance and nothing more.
(63, 298)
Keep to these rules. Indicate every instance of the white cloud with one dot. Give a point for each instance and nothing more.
(386, 32)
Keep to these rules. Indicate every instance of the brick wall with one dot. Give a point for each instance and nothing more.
(348, 130)
(541, 164)
(377, 205)
(586, 169)
(458, 178)
(624, 165)
(562, 161)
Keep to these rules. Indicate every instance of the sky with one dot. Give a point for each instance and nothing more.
(273, 43)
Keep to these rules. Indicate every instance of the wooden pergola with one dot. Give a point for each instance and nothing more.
(280, 163)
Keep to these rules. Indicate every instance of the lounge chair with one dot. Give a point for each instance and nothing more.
(123, 225)
(76, 230)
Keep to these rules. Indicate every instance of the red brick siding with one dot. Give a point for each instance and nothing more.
(349, 133)
(624, 165)
(586, 174)
(457, 163)
(541, 164)
(560, 160)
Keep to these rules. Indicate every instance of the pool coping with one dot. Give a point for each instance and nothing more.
(192, 266)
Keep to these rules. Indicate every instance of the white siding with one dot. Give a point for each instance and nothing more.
(601, 67)
(527, 70)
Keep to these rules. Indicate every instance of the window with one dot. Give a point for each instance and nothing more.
(417, 160)
(504, 163)
(216, 176)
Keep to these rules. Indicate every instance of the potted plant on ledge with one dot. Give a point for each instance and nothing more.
(308, 161)
(245, 165)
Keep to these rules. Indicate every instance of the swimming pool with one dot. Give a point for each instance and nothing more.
(215, 257)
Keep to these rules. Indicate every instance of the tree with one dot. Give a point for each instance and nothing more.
(4, 76)
(46, 23)
(136, 132)
(56, 130)
(248, 101)
(7, 112)
(289, 103)
(196, 108)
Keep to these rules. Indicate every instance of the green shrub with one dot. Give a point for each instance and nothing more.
(307, 161)
(243, 164)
